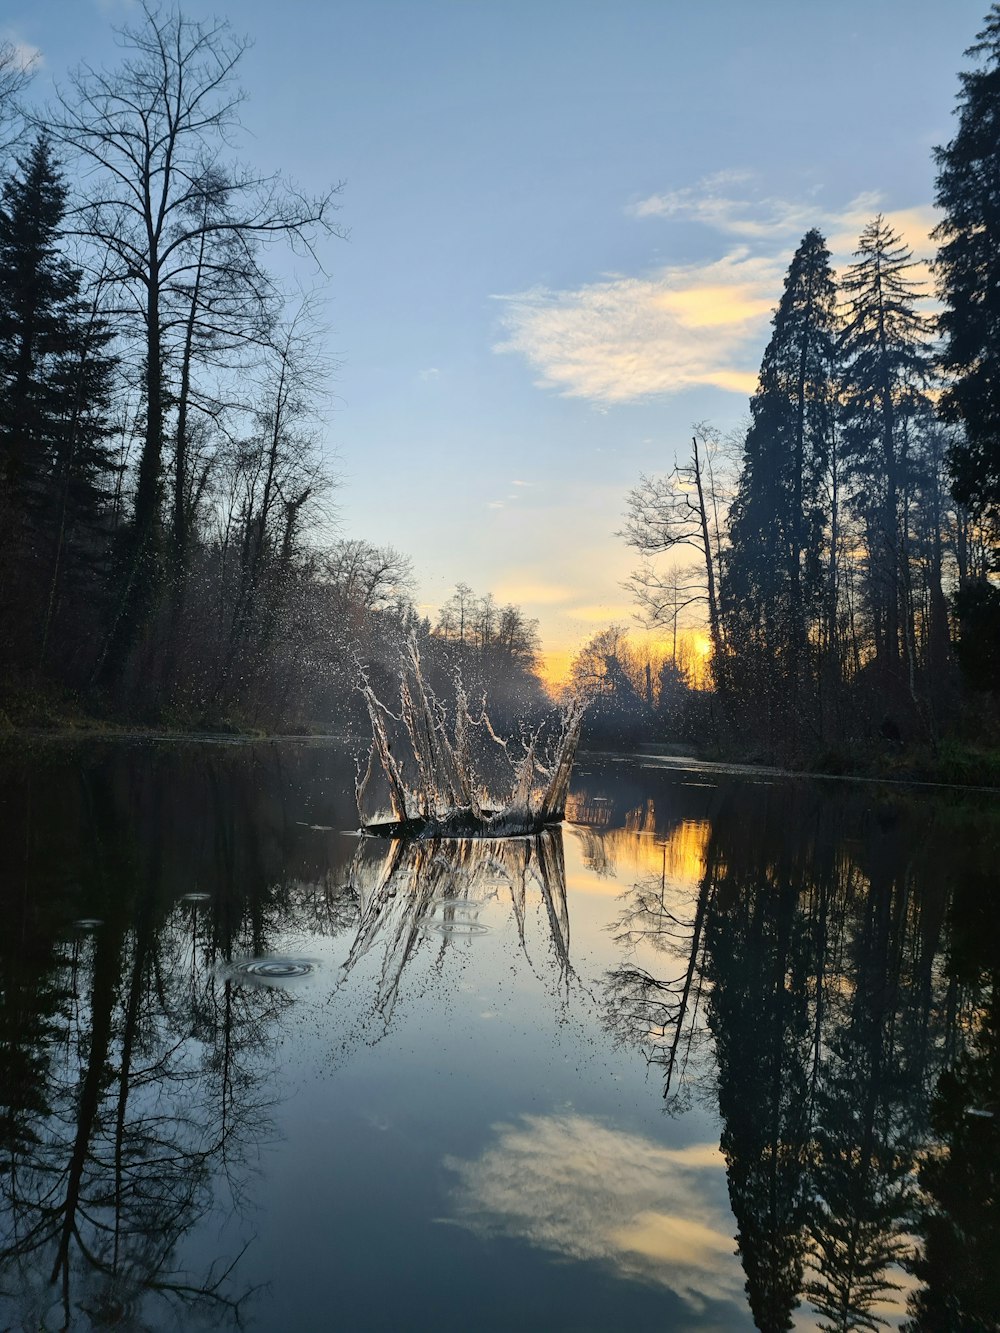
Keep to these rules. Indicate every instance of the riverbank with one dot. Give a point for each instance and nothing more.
(29, 715)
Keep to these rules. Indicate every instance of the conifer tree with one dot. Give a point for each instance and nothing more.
(773, 574)
(886, 367)
(55, 375)
(968, 271)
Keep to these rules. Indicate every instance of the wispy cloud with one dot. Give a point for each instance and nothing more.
(584, 1190)
(624, 338)
(27, 57)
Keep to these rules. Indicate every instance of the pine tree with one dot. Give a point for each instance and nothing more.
(886, 367)
(55, 377)
(773, 575)
(968, 271)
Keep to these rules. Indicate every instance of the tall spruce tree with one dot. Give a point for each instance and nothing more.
(968, 272)
(886, 366)
(772, 582)
(55, 375)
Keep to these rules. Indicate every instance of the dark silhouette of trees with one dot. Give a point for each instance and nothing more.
(668, 514)
(886, 368)
(772, 589)
(968, 279)
(56, 467)
(182, 233)
(968, 274)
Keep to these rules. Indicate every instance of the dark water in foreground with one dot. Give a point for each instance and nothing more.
(722, 1052)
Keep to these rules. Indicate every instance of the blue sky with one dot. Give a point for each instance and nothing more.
(569, 222)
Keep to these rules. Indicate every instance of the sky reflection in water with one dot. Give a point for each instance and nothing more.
(667, 1068)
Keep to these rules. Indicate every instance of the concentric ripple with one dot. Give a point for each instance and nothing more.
(455, 916)
(88, 923)
(271, 971)
(457, 927)
(196, 898)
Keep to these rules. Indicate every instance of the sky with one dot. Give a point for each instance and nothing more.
(568, 223)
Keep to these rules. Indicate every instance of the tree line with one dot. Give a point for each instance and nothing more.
(168, 550)
(846, 566)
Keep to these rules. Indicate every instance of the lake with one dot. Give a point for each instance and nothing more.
(721, 1052)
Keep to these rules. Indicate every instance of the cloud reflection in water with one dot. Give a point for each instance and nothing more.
(583, 1190)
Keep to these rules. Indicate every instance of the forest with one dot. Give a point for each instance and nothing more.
(169, 549)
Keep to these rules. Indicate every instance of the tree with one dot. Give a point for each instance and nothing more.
(886, 369)
(55, 381)
(150, 136)
(666, 514)
(15, 71)
(772, 583)
(968, 274)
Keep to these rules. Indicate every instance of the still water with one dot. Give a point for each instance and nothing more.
(722, 1052)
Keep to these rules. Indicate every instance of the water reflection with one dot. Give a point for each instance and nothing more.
(413, 893)
(139, 1076)
(584, 1190)
(821, 954)
(814, 973)
(136, 1079)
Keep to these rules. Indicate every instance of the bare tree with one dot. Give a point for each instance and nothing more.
(16, 68)
(668, 513)
(182, 228)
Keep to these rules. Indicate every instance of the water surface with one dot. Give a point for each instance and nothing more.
(720, 1053)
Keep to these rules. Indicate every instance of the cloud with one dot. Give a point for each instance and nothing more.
(27, 58)
(583, 1190)
(625, 338)
(431, 373)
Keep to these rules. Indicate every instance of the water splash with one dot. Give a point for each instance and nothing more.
(439, 791)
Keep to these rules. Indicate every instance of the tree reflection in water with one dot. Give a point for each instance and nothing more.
(822, 952)
(414, 894)
(135, 1077)
(137, 1072)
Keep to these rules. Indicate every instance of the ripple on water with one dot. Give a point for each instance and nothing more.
(85, 923)
(456, 927)
(454, 916)
(196, 898)
(270, 971)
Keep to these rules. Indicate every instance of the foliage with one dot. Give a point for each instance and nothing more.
(968, 272)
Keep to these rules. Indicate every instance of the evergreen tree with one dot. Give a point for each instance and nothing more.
(968, 269)
(771, 590)
(55, 377)
(886, 368)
